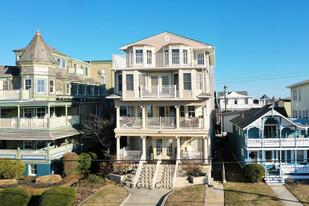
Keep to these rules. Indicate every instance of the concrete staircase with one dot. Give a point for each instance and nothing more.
(165, 176)
(146, 176)
(273, 179)
(128, 181)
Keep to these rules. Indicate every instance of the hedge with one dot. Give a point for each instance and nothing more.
(84, 162)
(70, 163)
(14, 196)
(254, 172)
(58, 196)
(11, 168)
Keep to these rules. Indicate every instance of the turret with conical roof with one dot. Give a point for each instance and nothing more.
(37, 51)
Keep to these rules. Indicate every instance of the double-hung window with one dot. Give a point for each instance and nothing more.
(166, 57)
(149, 57)
(175, 56)
(175, 80)
(63, 64)
(5, 85)
(187, 81)
(119, 82)
(200, 58)
(270, 131)
(28, 144)
(299, 95)
(40, 112)
(199, 81)
(33, 170)
(142, 81)
(27, 113)
(191, 111)
(59, 62)
(3, 113)
(139, 56)
(129, 81)
(40, 86)
(185, 56)
(27, 83)
(294, 95)
(68, 86)
(51, 86)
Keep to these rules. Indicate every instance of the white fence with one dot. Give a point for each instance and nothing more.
(13, 94)
(131, 122)
(161, 122)
(193, 122)
(300, 169)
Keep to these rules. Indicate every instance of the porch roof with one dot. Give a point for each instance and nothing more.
(38, 135)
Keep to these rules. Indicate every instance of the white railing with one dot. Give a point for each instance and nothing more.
(161, 122)
(33, 123)
(275, 142)
(193, 122)
(138, 172)
(154, 180)
(300, 169)
(159, 59)
(74, 119)
(131, 122)
(8, 122)
(192, 156)
(13, 94)
(158, 91)
(126, 154)
(57, 122)
(175, 174)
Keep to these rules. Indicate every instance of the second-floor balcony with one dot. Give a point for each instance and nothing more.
(161, 123)
(39, 123)
(14, 94)
(276, 142)
(158, 91)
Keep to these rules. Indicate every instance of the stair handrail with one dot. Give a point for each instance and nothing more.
(154, 179)
(138, 172)
(266, 175)
(175, 174)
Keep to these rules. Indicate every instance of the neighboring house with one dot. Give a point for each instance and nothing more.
(286, 103)
(266, 136)
(43, 100)
(300, 99)
(164, 98)
(235, 101)
(264, 100)
(226, 117)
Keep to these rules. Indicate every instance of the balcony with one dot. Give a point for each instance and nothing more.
(161, 123)
(38, 123)
(299, 169)
(275, 142)
(158, 91)
(14, 94)
(159, 59)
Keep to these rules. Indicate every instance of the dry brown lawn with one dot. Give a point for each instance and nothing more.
(301, 192)
(190, 196)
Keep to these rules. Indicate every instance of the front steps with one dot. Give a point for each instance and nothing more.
(274, 179)
(165, 176)
(146, 176)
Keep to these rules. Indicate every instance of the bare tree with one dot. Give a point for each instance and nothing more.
(100, 128)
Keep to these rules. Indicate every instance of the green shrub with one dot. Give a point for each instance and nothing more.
(84, 162)
(14, 196)
(58, 196)
(11, 168)
(70, 163)
(254, 172)
(91, 181)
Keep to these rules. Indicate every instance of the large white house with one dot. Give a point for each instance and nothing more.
(164, 99)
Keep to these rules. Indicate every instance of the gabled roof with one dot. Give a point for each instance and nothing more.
(49, 47)
(234, 95)
(9, 71)
(148, 41)
(264, 97)
(298, 84)
(37, 51)
(249, 116)
(238, 92)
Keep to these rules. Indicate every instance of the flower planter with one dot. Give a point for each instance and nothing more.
(198, 180)
(116, 178)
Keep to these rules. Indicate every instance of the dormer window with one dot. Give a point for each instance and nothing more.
(63, 64)
(200, 58)
(59, 62)
(175, 56)
(149, 57)
(139, 56)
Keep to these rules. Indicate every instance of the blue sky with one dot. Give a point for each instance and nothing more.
(261, 46)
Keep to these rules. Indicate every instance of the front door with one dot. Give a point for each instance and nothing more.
(161, 111)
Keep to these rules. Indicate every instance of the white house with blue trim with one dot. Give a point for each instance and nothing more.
(266, 136)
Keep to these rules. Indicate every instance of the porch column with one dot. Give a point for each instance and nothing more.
(305, 155)
(48, 151)
(177, 117)
(205, 150)
(66, 114)
(18, 116)
(143, 157)
(117, 116)
(204, 116)
(178, 148)
(143, 117)
(48, 116)
(66, 144)
(118, 146)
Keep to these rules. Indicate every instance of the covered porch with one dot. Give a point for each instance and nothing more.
(183, 148)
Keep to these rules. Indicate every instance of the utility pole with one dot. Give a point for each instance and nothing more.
(225, 87)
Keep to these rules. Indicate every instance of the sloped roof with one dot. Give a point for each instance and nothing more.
(298, 84)
(49, 47)
(238, 92)
(264, 97)
(234, 95)
(76, 78)
(249, 116)
(37, 51)
(9, 70)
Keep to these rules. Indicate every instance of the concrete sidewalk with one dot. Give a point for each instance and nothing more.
(146, 197)
(215, 194)
(285, 195)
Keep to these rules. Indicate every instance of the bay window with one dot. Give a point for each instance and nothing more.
(139, 56)
(175, 56)
(129, 82)
(40, 86)
(187, 81)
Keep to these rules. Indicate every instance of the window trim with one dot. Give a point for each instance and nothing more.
(30, 169)
(175, 58)
(63, 64)
(139, 56)
(129, 83)
(198, 58)
(184, 81)
(53, 87)
(26, 85)
(68, 88)
(149, 56)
